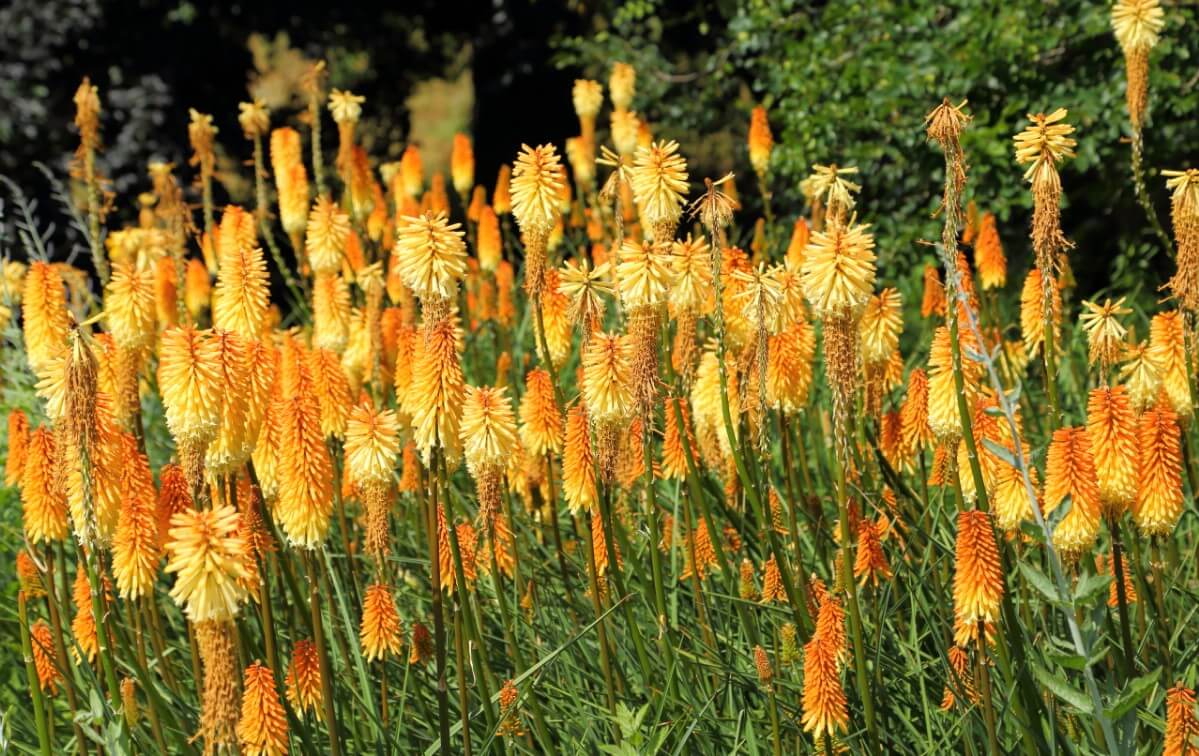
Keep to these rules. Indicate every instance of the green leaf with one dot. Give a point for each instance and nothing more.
(1000, 451)
(1089, 586)
(1134, 692)
(1040, 581)
(1062, 689)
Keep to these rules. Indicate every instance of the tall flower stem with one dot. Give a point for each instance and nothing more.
(664, 628)
(1138, 181)
(35, 689)
(1050, 360)
(60, 647)
(443, 701)
(959, 384)
(597, 606)
(621, 592)
(326, 668)
(726, 569)
(1121, 598)
(984, 676)
(473, 629)
(463, 694)
(518, 659)
(1159, 597)
(855, 614)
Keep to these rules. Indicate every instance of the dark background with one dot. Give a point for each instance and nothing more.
(845, 82)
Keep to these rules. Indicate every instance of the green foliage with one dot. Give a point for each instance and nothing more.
(850, 83)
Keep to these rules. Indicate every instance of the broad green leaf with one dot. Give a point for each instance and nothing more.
(1089, 585)
(1040, 581)
(1134, 692)
(1062, 689)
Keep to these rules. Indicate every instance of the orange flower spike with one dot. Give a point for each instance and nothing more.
(825, 712)
(1182, 727)
(1112, 428)
(1070, 471)
(761, 142)
(772, 581)
(382, 634)
(977, 579)
(44, 502)
(933, 302)
(1159, 500)
(988, 254)
(136, 548)
(304, 678)
(18, 446)
(540, 421)
(44, 657)
(871, 562)
(262, 727)
(305, 470)
(1167, 348)
(578, 463)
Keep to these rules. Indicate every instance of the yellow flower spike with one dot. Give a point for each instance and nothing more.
(189, 381)
(242, 292)
(434, 399)
(488, 428)
(838, 269)
(328, 230)
(332, 391)
(129, 306)
(622, 84)
(208, 556)
(430, 255)
(44, 315)
(1105, 332)
(232, 444)
(659, 182)
(136, 549)
(1167, 349)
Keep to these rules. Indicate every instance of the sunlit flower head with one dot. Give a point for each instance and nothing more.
(535, 187)
(372, 444)
(488, 427)
(659, 182)
(587, 96)
(1105, 332)
(208, 555)
(831, 185)
(838, 269)
(1044, 144)
(1070, 472)
(430, 255)
(643, 275)
(1137, 23)
(345, 106)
